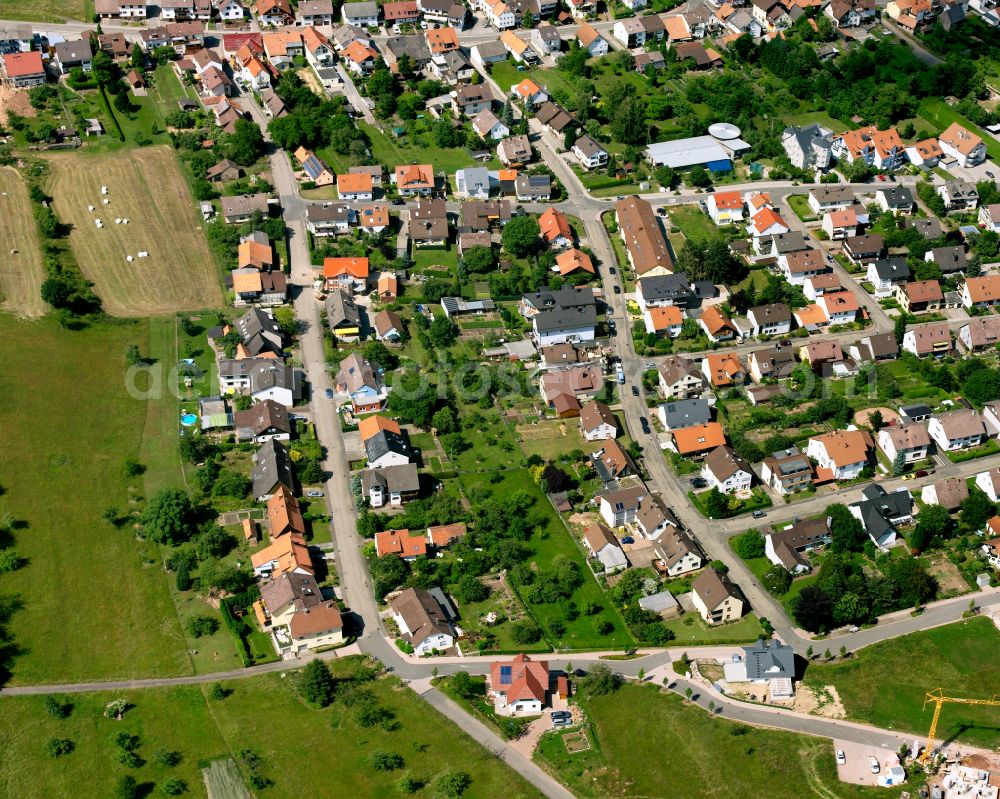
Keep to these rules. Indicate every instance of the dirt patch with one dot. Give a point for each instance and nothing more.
(583, 519)
(889, 416)
(950, 580)
(15, 100)
(710, 670)
(823, 701)
(576, 742)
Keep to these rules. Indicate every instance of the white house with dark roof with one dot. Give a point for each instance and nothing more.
(725, 470)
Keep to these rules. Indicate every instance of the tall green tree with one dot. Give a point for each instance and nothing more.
(316, 684)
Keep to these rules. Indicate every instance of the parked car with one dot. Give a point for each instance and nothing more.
(328, 393)
(758, 514)
(399, 201)
(612, 270)
(628, 540)
(618, 289)
(635, 391)
(989, 174)
(873, 764)
(923, 473)
(644, 422)
(662, 211)
(841, 757)
(698, 482)
(314, 493)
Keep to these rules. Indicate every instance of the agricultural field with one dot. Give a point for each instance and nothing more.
(327, 747)
(146, 187)
(646, 742)
(48, 10)
(94, 602)
(880, 686)
(22, 274)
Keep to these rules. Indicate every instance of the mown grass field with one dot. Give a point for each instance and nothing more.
(652, 744)
(48, 10)
(303, 751)
(885, 684)
(147, 188)
(21, 275)
(95, 601)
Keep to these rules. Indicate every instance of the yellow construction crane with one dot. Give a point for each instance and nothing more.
(938, 698)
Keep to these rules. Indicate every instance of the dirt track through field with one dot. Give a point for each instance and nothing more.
(147, 188)
(21, 271)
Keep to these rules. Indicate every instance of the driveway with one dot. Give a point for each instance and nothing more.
(857, 770)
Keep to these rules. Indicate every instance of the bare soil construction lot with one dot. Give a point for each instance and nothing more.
(21, 274)
(147, 188)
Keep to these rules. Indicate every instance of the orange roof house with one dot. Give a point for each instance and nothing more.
(388, 286)
(810, 316)
(728, 200)
(527, 89)
(960, 139)
(574, 260)
(286, 554)
(23, 65)
(723, 369)
(441, 40)
(334, 268)
(255, 254)
(283, 514)
(400, 542)
(664, 317)
(520, 684)
(373, 425)
(758, 200)
(766, 218)
(359, 183)
(444, 534)
(414, 177)
(554, 226)
(359, 53)
(716, 323)
(697, 439)
(247, 282)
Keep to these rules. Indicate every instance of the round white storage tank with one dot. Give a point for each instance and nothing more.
(724, 131)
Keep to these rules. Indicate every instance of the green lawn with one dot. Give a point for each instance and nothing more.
(885, 684)
(647, 743)
(48, 10)
(938, 112)
(392, 152)
(95, 601)
(693, 222)
(799, 203)
(302, 751)
(426, 257)
(550, 540)
(690, 629)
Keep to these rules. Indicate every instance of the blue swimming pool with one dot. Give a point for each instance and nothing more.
(189, 419)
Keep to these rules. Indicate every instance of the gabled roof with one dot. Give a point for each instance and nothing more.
(400, 542)
(354, 267)
(554, 224)
(699, 438)
(376, 423)
(724, 462)
(960, 139)
(845, 447)
(714, 588)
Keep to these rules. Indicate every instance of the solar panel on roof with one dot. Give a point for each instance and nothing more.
(505, 675)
